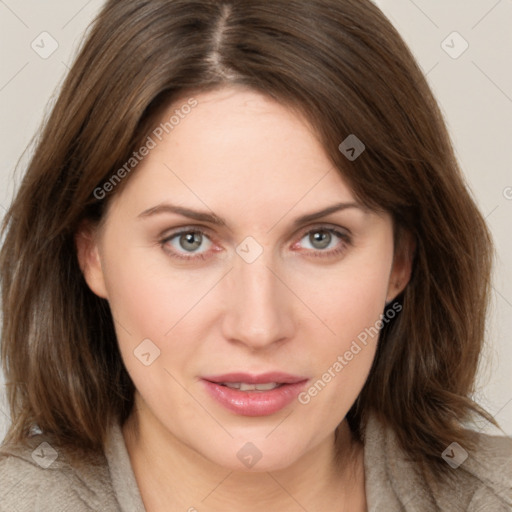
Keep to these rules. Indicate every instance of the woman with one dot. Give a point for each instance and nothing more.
(243, 271)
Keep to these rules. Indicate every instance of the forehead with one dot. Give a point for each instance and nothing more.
(239, 149)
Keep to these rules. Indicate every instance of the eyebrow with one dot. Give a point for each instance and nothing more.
(214, 219)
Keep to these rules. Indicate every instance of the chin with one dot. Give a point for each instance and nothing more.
(254, 453)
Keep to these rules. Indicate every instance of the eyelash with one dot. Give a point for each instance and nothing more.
(344, 237)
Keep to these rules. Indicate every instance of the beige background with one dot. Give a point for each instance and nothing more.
(473, 86)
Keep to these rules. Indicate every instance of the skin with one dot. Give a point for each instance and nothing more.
(296, 308)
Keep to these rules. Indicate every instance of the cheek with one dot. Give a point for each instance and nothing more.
(161, 311)
(148, 297)
(347, 301)
(146, 308)
(351, 309)
(138, 300)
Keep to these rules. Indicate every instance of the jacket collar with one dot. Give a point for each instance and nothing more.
(393, 482)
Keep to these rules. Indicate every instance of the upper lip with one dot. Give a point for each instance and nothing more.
(252, 378)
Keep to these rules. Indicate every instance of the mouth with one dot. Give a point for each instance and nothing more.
(254, 395)
(244, 386)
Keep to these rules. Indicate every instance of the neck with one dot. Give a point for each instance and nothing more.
(173, 476)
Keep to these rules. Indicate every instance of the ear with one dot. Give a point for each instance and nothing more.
(401, 271)
(88, 254)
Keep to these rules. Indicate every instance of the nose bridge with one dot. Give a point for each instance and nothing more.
(259, 310)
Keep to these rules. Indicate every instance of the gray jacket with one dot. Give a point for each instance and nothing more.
(38, 479)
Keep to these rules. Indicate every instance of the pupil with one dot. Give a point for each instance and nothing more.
(190, 241)
(320, 239)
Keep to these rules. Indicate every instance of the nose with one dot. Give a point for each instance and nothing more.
(259, 309)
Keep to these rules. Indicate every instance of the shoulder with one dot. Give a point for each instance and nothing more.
(486, 471)
(38, 476)
(480, 479)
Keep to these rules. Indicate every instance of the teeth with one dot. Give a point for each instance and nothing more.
(242, 386)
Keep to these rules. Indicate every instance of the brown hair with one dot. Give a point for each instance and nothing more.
(341, 64)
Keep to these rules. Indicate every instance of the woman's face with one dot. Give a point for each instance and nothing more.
(220, 269)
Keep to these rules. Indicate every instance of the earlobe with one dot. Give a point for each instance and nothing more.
(89, 260)
(402, 266)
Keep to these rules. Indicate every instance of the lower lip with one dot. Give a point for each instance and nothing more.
(254, 403)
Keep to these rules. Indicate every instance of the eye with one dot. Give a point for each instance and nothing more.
(325, 241)
(193, 243)
(187, 244)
